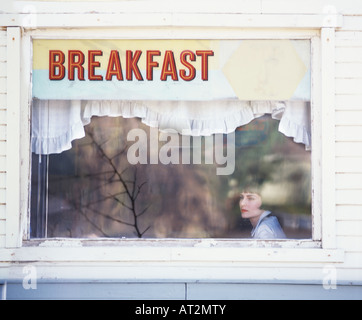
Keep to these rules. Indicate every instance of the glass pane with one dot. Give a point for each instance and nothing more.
(95, 190)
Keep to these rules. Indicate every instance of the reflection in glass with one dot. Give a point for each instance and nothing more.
(92, 190)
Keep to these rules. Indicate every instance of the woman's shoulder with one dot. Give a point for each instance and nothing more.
(270, 228)
(264, 231)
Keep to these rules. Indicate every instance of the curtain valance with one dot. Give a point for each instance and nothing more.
(56, 123)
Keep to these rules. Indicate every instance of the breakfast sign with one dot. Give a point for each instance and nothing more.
(190, 70)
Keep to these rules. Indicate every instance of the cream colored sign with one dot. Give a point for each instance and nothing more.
(265, 70)
(172, 69)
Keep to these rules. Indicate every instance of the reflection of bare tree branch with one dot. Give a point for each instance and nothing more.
(110, 218)
(91, 222)
(131, 189)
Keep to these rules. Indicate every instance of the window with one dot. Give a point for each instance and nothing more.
(99, 171)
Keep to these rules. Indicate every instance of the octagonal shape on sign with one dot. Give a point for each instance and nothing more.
(265, 70)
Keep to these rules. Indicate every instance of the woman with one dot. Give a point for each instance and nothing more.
(264, 225)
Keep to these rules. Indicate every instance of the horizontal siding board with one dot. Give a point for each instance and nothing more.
(3, 54)
(3, 39)
(3, 117)
(2, 102)
(2, 227)
(349, 212)
(2, 241)
(154, 6)
(346, 70)
(2, 180)
(349, 149)
(2, 148)
(2, 163)
(349, 197)
(349, 54)
(348, 133)
(2, 196)
(348, 86)
(349, 228)
(78, 20)
(353, 259)
(349, 165)
(349, 102)
(353, 23)
(350, 243)
(312, 6)
(349, 118)
(207, 6)
(3, 85)
(2, 132)
(349, 181)
(2, 69)
(2, 211)
(350, 36)
(343, 39)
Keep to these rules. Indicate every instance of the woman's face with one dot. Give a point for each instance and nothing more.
(250, 204)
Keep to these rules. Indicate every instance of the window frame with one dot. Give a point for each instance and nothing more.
(322, 248)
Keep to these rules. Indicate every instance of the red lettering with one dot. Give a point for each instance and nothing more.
(114, 66)
(205, 54)
(188, 65)
(169, 67)
(56, 67)
(150, 63)
(75, 63)
(132, 66)
(92, 64)
(76, 60)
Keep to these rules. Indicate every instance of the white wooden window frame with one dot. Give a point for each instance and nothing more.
(167, 255)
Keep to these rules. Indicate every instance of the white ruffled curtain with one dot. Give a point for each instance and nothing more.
(56, 123)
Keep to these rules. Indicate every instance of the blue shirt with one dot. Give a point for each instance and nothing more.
(268, 228)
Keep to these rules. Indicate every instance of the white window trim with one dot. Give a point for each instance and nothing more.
(322, 249)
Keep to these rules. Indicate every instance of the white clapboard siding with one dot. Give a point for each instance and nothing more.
(349, 197)
(144, 6)
(189, 6)
(312, 6)
(350, 37)
(347, 70)
(348, 165)
(349, 181)
(3, 135)
(352, 23)
(348, 212)
(349, 118)
(2, 100)
(348, 86)
(2, 179)
(348, 133)
(345, 102)
(348, 147)
(349, 54)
